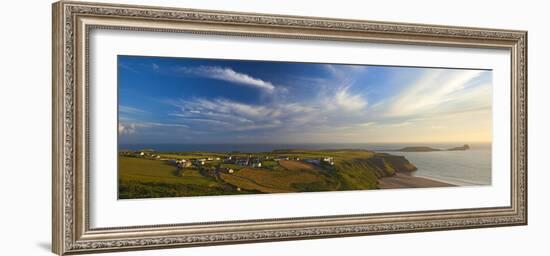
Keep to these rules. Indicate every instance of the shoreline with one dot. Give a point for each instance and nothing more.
(400, 180)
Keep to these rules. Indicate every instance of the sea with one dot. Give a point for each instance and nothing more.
(463, 168)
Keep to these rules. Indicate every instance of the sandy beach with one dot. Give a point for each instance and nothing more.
(408, 181)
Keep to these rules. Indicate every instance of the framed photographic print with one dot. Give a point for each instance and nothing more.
(178, 127)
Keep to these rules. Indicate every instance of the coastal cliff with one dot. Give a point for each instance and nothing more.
(388, 164)
(365, 170)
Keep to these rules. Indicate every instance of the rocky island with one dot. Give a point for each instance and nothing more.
(418, 149)
(430, 149)
(465, 147)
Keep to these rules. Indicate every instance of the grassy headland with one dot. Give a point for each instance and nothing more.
(149, 174)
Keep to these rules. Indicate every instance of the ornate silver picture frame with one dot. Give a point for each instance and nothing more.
(72, 24)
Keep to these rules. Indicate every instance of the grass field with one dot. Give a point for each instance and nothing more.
(292, 165)
(231, 166)
(269, 164)
(146, 170)
(249, 184)
(146, 177)
(286, 180)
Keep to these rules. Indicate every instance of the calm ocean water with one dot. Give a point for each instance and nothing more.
(470, 167)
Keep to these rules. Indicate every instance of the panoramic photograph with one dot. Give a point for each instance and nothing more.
(206, 127)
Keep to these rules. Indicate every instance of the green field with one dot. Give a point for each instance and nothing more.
(157, 175)
(145, 178)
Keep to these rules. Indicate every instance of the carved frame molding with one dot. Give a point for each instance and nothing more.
(72, 22)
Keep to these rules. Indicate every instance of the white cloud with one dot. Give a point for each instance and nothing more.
(367, 124)
(349, 102)
(328, 106)
(125, 127)
(230, 75)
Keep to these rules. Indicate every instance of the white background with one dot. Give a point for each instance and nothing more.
(26, 115)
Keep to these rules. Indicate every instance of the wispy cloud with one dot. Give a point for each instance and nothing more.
(342, 71)
(328, 106)
(230, 75)
(124, 66)
(349, 101)
(401, 124)
(226, 115)
(367, 124)
(437, 91)
(130, 110)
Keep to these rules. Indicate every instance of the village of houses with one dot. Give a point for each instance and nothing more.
(213, 165)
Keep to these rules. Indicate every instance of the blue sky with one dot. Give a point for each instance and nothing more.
(184, 100)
